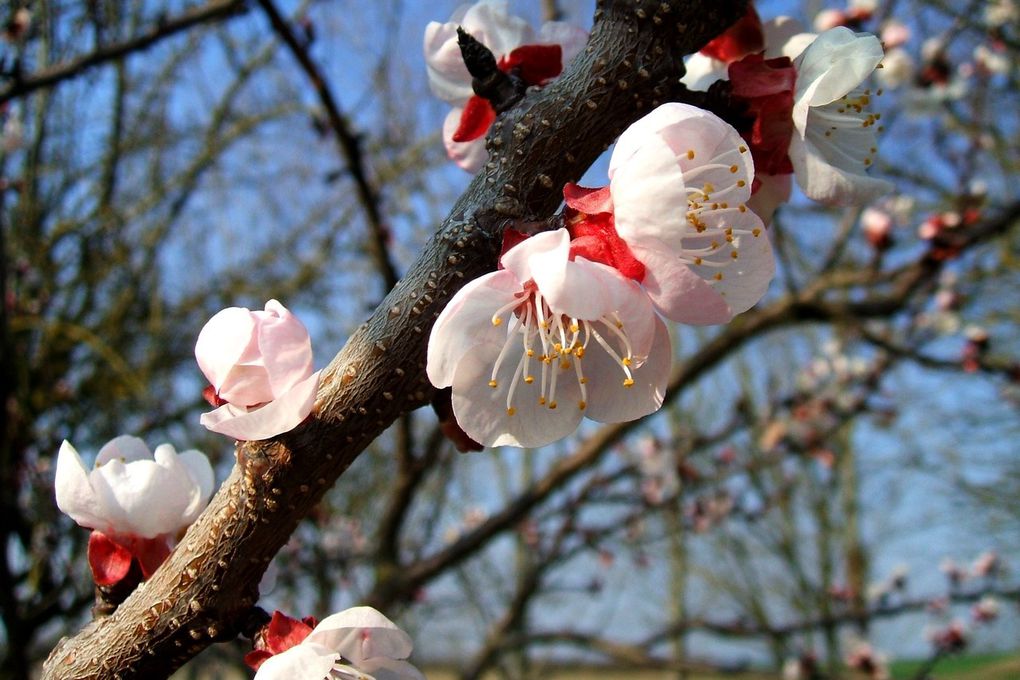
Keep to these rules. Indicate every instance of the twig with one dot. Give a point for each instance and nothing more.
(216, 10)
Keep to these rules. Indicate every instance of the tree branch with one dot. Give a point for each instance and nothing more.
(215, 10)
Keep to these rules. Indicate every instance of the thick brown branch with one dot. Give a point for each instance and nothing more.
(209, 584)
(216, 10)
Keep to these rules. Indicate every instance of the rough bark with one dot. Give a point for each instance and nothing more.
(207, 588)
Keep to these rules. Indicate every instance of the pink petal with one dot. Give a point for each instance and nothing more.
(482, 410)
(448, 76)
(361, 633)
(124, 448)
(610, 401)
(632, 306)
(579, 289)
(390, 669)
(285, 347)
(491, 23)
(677, 292)
(650, 180)
(747, 278)
(75, 496)
(467, 321)
(222, 342)
(554, 244)
(772, 192)
(278, 416)
(470, 156)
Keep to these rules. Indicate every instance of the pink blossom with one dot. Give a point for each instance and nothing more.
(862, 657)
(830, 18)
(260, 367)
(134, 500)
(895, 34)
(877, 225)
(351, 645)
(985, 610)
(536, 59)
(531, 349)
(987, 563)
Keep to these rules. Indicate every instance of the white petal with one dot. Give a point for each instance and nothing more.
(481, 411)
(747, 278)
(773, 191)
(278, 416)
(677, 292)
(641, 187)
(361, 633)
(467, 321)
(390, 669)
(301, 662)
(785, 37)
(75, 496)
(222, 341)
(491, 23)
(518, 259)
(447, 74)
(827, 183)
(634, 309)
(834, 64)
(198, 468)
(702, 71)
(579, 289)
(611, 402)
(470, 156)
(124, 448)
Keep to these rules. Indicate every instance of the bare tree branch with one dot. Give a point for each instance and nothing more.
(215, 10)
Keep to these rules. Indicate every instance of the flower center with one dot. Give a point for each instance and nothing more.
(552, 348)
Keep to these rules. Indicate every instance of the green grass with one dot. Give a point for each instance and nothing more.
(970, 667)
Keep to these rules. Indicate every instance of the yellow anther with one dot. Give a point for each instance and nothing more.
(493, 384)
(619, 324)
(510, 411)
(828, 133)
(733, 254)
(718, 276)
(564, 365)
(733, 169)
(574, 328)
(541, 401)
(867, 161)
(690, 154)
(709, 188)
(729, 238)
(743, 149)
(552, 404)
(582, 404)
(583, 381)
(530, 352)
(697, 260)
(756, 232)
(742, 208)
(626, 361)
(629, 382)
(529, 379)
(741, 183)
(715, 244)
(579, 352)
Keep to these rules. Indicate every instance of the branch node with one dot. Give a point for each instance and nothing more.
(501, 89)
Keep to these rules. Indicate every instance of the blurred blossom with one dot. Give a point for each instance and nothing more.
(829, 18)
(987, 563)
(862, 657)
(992, 61)
(949, 639)
(1002, 13)
(898, 68)
(894, 34)
(986, 610)
(954, 572)
(877, 226)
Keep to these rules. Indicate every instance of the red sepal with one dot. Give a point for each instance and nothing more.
(209, 394)
(587, 200)
(109, 561)
(739, 40)
(511, 237)
(594, 238)
(280, 634)
(150, 553)
(475, 120)
(535, 64)
(765, 87)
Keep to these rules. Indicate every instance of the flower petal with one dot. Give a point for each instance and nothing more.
(641, 187)
(361, 633)
(75, 495)
(610, 401)
(222, 341)
(826, 182)
(470, 156)
(306, 660)
(108, 559)
(124, 448)
(285, 348)
(149, 495)
(518, 259)
(389, 669)
(281, 415)
(467, 321)
(579, 289)
(677, 292)
(482, 410)
(834, 64)
(569, 37)
(196, 464)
